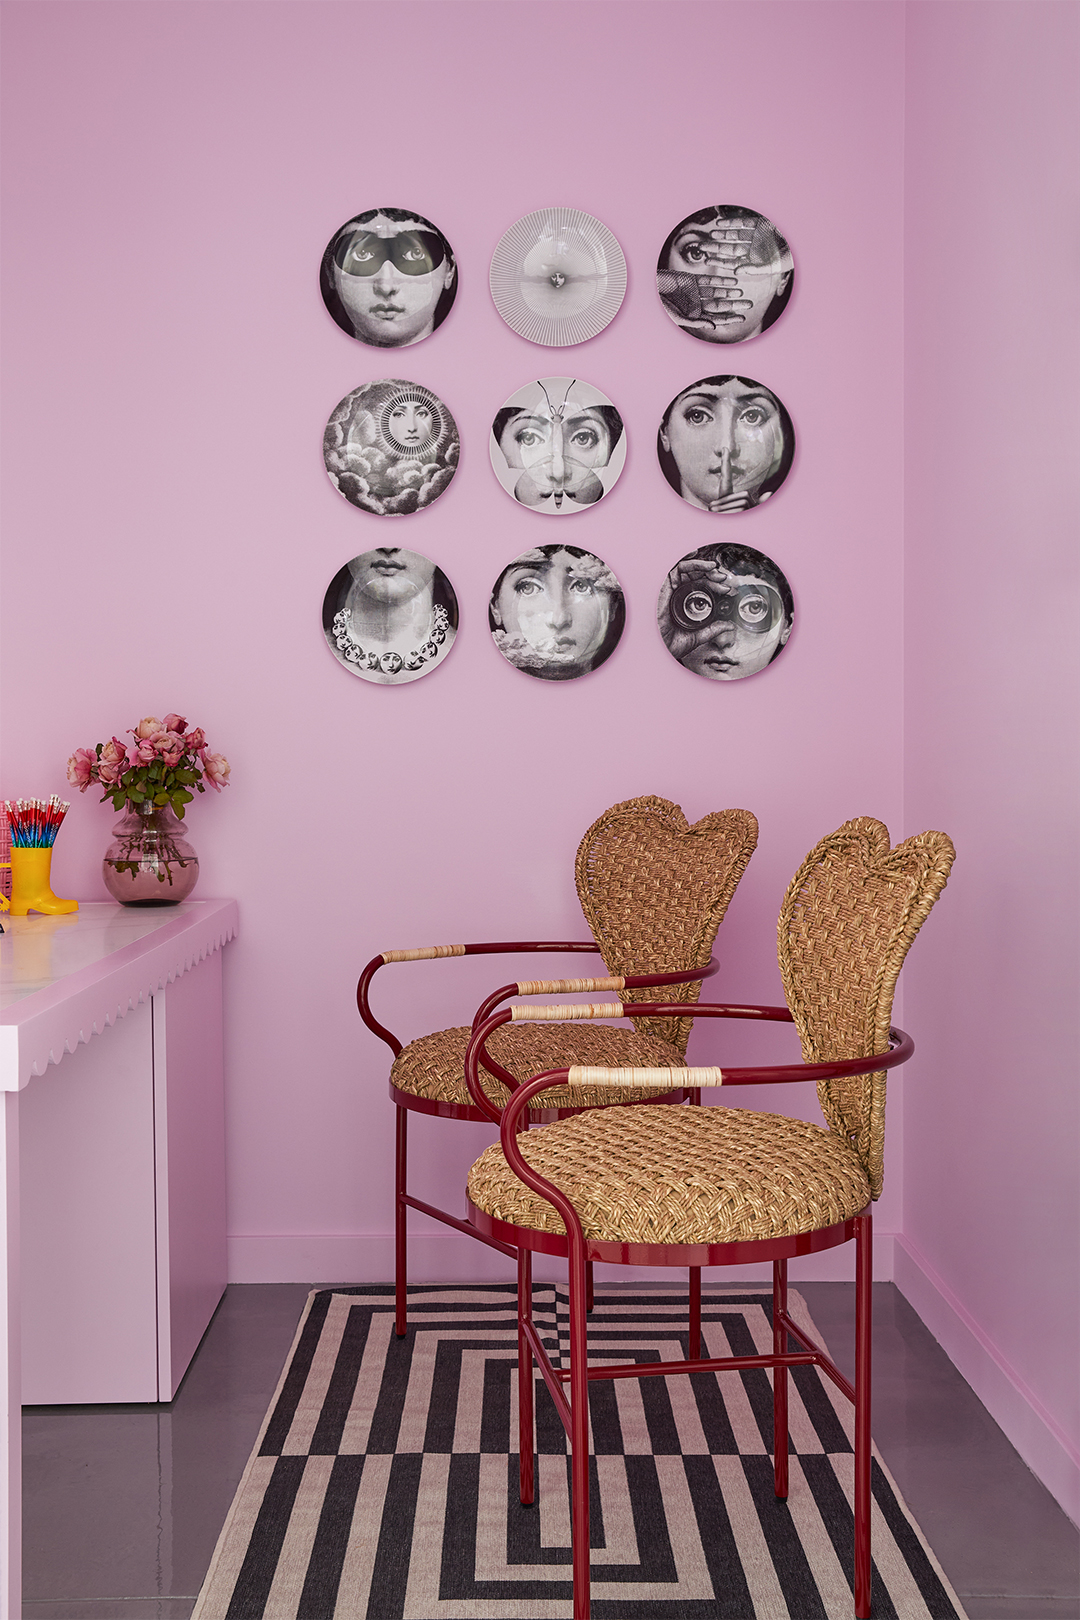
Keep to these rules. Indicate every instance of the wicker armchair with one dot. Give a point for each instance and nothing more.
(720, 1186)
(654, 891)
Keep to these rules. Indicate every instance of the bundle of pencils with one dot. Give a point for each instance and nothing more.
(35, 823)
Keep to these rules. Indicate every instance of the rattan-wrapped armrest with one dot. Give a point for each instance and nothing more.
(582, 1074)
(567, 987)
(567, 1011)
(423, 953)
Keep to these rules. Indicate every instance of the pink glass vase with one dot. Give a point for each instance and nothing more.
(150, 862)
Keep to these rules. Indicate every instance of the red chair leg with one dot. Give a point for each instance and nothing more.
(780, 1381)
(694, 1344)
(526, 1423)
(864, 1276)
(579, 1433)
(401, 1321)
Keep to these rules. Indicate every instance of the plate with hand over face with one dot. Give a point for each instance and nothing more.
(558, 277)
(725, 274)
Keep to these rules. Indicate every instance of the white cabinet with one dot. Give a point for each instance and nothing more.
(112, 1163)
(122, 1156)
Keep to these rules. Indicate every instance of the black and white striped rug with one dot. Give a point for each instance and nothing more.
(384, 1482)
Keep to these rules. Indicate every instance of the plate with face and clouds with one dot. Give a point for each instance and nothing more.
(556, 612)
(558, 445)
(391, 447)
(725, 274)
(388, 277)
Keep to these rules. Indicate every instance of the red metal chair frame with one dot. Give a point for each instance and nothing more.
(580, 1252)
(406, 1103)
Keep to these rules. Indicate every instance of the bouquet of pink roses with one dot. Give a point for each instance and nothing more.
(159, 767)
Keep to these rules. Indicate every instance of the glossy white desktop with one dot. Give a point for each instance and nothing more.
(112, 1126)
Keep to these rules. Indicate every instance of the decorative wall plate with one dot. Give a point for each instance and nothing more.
(558, 445)
(556, 612)
(558, 277)
(391, 447)
(388, 277)
(725, 612)
(390, 616)
(725, 274)
(725, 444)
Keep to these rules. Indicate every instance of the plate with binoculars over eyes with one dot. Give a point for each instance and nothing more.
(725, 612)
(558, 277)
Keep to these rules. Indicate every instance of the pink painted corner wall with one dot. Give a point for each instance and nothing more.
(173, 174)
(992, 1127)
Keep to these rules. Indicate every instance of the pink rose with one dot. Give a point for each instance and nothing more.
(80, 769)
(175, 722)
(113, 762)
(148, 728)
(217, 769)
(170, 746)
(145, 752)
(195, 740)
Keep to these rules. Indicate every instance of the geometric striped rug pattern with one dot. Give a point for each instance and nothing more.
(384, 1482)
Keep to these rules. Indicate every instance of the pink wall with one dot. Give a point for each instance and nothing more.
(174, 173)
(990, 1221)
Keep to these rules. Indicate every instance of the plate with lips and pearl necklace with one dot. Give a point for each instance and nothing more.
(558, 277)
(390, 616)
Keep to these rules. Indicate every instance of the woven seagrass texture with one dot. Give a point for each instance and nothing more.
(678, 1175)
(434, 1065)
(654, 891)
(847, 921)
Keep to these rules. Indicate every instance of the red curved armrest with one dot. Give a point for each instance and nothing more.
(498, 947)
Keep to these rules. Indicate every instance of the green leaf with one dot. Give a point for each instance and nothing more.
(161, 798)
(136, 794)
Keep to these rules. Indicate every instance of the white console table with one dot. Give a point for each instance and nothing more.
(112, 1126)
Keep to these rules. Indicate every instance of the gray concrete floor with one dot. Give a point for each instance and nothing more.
(123, 1504)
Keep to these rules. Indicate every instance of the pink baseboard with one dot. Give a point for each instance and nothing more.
(1038, 1438)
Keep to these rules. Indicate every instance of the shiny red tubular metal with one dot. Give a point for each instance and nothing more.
(406, 1103)
(581, 1252)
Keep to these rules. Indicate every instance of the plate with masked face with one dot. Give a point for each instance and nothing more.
(558, 277)
(558, 445)
(388, 277)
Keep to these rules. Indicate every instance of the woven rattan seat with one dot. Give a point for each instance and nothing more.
(679, 1175)
(434, 1066)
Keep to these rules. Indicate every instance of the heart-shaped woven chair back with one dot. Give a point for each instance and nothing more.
(654, 891)
(847, 921)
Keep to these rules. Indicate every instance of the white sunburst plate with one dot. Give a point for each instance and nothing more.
(558, 277)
